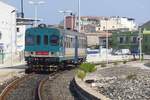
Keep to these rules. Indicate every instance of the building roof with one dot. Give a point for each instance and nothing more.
(25, 21)
(146, 25)
(99, 34)
(93, 17)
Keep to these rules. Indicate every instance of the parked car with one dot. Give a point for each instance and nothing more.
(92, 52)
(121, 52)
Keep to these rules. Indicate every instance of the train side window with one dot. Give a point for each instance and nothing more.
(46, 39)
(83, 43)
(68, 42)
(79, 43)
(71, 42)
(38, 39)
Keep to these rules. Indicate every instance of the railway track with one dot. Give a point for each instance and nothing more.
(25, 88)
(32, 86)
(10, 87)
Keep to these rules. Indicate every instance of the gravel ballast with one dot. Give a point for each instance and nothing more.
(123, 83)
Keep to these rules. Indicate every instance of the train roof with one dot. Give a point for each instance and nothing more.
(62, 31)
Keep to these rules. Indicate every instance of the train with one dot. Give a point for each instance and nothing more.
(52, 46)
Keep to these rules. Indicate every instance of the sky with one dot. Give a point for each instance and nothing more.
(49, 12)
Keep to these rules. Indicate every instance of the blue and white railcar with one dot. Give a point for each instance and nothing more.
(47, 45)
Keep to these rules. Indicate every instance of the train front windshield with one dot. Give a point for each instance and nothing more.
(29, 40)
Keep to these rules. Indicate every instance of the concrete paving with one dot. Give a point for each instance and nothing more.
(9, 70)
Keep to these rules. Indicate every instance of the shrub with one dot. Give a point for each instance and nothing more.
(81, 74)
(124, 62)
(103, 65)
(131, 76)
(115, 63)
(88, 67)
(142, 57)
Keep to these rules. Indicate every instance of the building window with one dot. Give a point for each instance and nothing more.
(18, 29)
(146, 47)
(121, 40)
(127, 39)
(146, 39)
(0, 35)
(103, 27)
(134, 39)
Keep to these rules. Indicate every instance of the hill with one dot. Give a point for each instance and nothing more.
(146, 25)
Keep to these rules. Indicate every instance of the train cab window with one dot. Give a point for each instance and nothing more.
(38, 39)
(54, 40)
(29, 40)
(45, 39)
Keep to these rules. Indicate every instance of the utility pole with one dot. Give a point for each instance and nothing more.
(79, 15)
(22, 10)
(36, 3)
(106, 42)
(140, 43)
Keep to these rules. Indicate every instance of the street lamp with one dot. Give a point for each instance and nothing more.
(106, 42)
(36, 3)
(140, 43)
(64, 13)
(22, 12)
(79, 15)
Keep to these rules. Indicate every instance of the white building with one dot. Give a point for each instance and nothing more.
(115, 23)
(7, 30)
(20, 41)
(101, 23)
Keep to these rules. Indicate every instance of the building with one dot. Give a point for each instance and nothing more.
(12, 34)
(70, 22)
(21, 25)
(146, 41)
(97, 39)
(126, 40)
(99, 23)
(7, 31)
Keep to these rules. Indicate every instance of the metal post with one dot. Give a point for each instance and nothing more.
(72, 22)
(22, 12)
(35, 15)
(79, 15)
(140, 44)
(106, 43)
(36, 3)
(64, 21)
